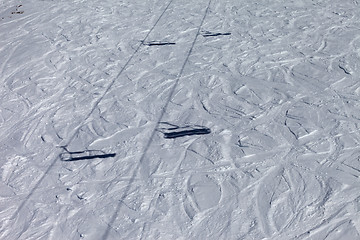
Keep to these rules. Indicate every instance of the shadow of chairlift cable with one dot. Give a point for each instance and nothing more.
(174, 131)
(68, 156)
(212, 34)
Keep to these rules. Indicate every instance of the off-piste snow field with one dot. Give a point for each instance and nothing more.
(180, 119)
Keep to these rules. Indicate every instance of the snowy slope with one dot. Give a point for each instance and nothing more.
(174, 119)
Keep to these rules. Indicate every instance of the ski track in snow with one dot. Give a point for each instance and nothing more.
(280, 96)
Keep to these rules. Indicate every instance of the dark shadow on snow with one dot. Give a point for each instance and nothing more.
(157, 43)
(68, 156)
(211, 34)
(174, 131)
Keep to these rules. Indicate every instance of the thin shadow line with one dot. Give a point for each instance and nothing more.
(118, 207)
(86, 118)
(141, 160)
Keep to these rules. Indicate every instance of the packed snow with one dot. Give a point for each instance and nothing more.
(174, 119)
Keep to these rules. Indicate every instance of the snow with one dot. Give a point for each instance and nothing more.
(178, 119)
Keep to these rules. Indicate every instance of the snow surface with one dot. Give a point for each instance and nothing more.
(241, 122)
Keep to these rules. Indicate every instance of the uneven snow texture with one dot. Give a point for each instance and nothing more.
(281, 96)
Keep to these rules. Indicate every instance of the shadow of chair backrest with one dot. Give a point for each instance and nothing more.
(69, 156)
(173, 131)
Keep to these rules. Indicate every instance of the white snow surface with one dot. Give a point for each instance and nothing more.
(279, 88)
